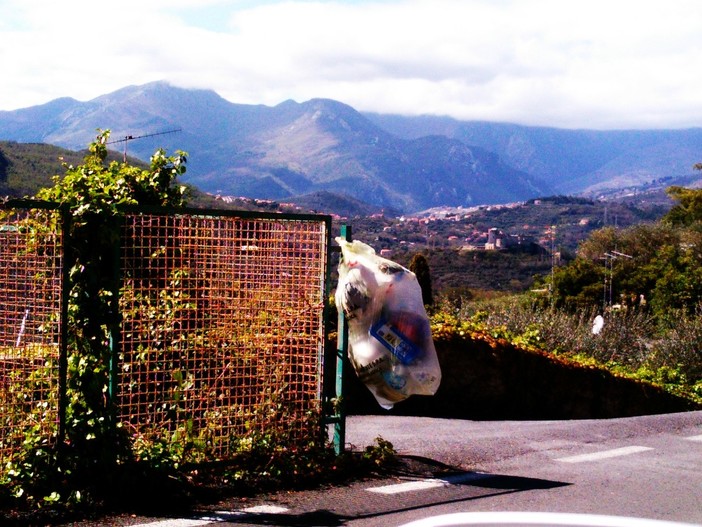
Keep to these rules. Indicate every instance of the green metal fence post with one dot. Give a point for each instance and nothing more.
(115, 322)
(341, 351)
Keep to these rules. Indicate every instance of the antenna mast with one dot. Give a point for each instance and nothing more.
(128, 138)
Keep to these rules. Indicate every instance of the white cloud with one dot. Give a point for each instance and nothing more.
(580, 63)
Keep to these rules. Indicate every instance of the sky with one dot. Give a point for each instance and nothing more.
(594, 64)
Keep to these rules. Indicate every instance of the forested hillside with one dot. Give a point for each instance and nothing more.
(27, 167)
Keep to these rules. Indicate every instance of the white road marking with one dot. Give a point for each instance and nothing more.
(265, 509)
(217, 516)
(409, 486)
(694, 438)
(176, 523)
(425, 484)
(540, 519)
(605, 454)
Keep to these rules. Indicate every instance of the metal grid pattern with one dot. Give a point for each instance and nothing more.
(30, 296)
(222, 327)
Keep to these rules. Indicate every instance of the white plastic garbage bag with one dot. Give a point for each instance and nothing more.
(390, 342)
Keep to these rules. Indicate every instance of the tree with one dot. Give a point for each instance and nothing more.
(664, 264)
(420, 267)
(689, 207)
(578, 284)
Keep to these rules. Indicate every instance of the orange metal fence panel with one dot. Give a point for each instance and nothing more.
(222, 328)
(30, 308)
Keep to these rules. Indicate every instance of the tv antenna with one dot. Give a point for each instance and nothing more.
(609, 258)
(128, 138)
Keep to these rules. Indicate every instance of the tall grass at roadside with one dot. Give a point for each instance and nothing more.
(630, 342)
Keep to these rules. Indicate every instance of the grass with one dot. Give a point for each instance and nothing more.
(631, 343)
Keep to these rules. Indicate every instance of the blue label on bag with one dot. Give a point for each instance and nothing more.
(399, 345)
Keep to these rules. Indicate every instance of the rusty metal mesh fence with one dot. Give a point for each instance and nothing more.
(30, 308)
(222, 330)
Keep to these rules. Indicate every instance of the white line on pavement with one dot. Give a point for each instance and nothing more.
(218, 516)
(175, 523)
(605, 454)
(694, 438)
(424, 484)
(265, 509)
(409, 486)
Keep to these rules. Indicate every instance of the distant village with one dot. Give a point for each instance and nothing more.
(453, 229)
(490, 247)
(458, 228)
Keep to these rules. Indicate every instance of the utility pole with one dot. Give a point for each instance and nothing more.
(553, 265)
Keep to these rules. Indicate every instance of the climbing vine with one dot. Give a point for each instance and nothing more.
(93, 196)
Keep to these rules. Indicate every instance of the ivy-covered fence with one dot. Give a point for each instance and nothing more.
(220, 331)
(31, 300)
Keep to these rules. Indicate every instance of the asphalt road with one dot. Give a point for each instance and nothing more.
(643, 467)
(648, 467)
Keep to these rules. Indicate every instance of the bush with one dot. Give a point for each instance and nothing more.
(630, 341)
(681, 347)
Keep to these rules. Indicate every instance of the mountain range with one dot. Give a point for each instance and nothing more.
(323, 146)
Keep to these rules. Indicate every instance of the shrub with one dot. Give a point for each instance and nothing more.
(630, 341)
